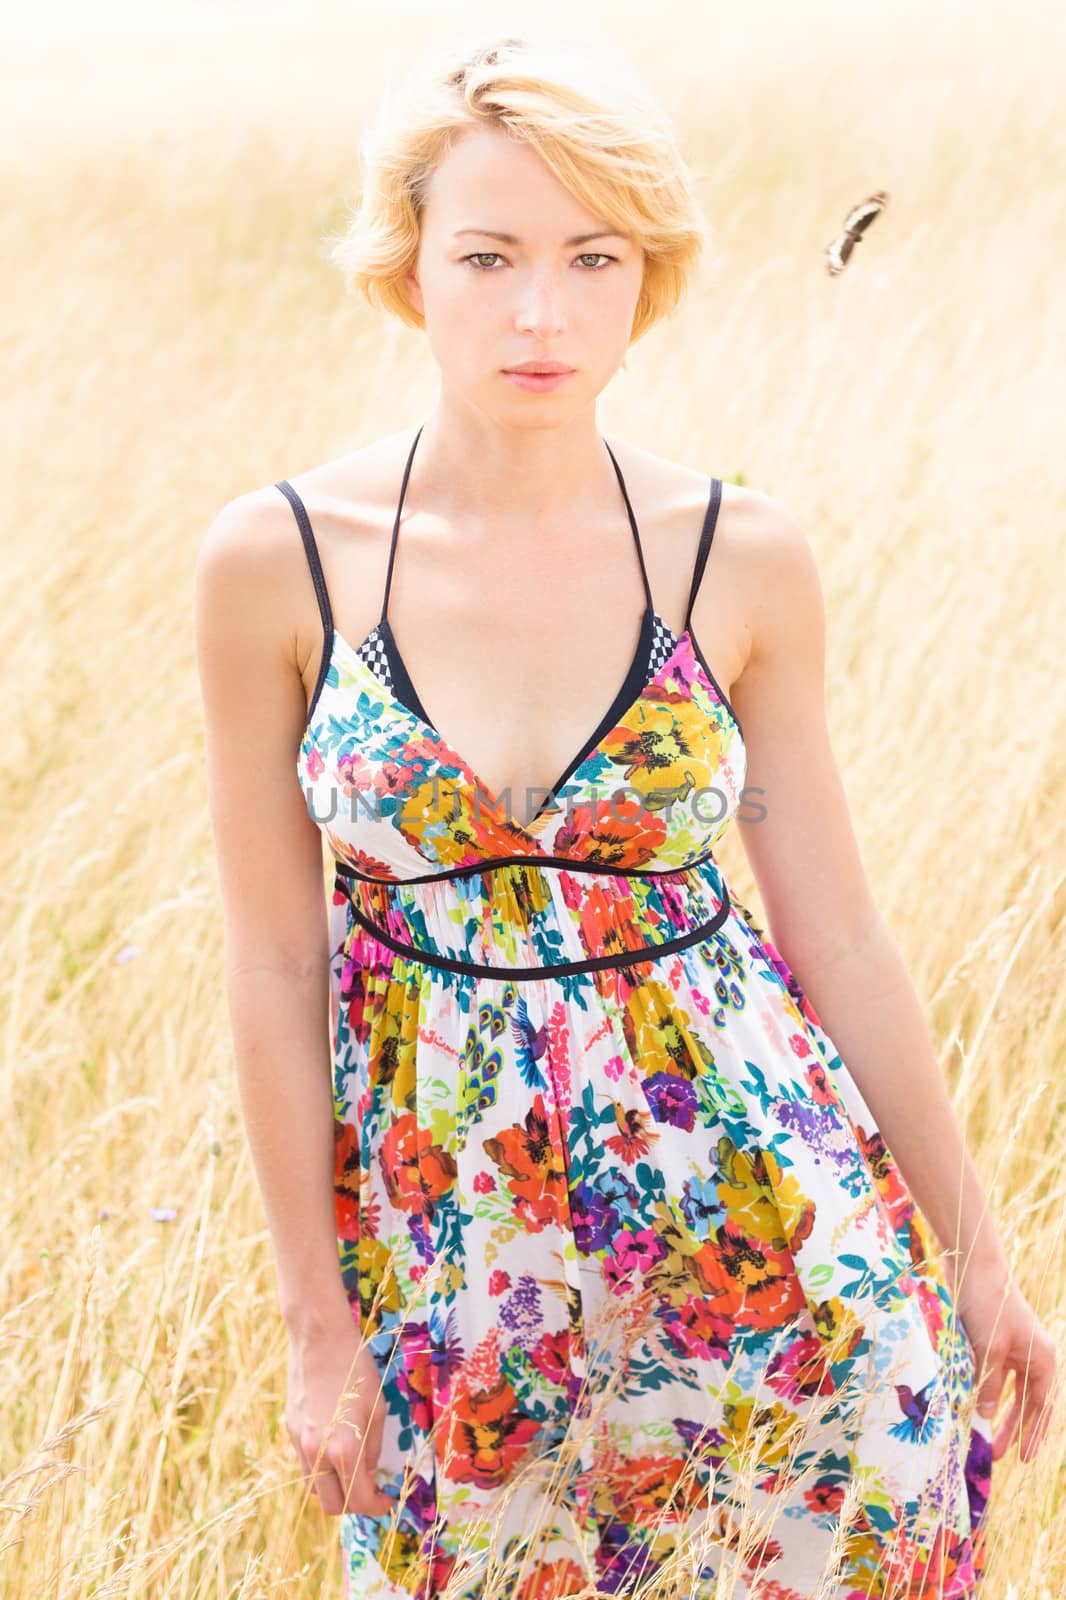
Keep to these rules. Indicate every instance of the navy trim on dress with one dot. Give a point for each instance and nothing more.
(345, 870)
(648, 952)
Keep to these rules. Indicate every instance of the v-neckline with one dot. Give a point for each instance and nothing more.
(632, 687)
(405, 698)
(625, 697)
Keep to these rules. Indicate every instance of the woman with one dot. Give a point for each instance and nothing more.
(635, 1270)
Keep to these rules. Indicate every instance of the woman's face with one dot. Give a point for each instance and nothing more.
(543, 294)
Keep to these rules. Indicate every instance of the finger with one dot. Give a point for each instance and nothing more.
(1008, 1428)
(1035, 1417)
(347, 1445)
(356, 1474)
(305, 1465)
(330, 1493)
(990, 1389)
(1033, 1429)
(366, 1497)
(314, 1481)
(1034, 1438)
(313, 1478)
(320, 1475)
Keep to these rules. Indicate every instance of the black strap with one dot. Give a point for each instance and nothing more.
(710, 521)
(396, 523)
(403, 491)
(633, 525)
(311, 550)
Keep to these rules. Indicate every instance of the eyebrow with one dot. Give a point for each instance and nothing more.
(510, 238)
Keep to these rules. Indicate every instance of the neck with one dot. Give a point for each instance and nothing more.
(513, 481)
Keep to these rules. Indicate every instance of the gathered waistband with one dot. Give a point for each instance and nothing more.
(532, 917)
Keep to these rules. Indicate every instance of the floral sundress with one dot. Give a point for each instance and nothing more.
(647, 1293)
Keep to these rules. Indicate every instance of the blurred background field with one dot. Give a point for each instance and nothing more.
(173, 337)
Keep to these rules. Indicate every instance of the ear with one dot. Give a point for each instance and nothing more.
(413, 290)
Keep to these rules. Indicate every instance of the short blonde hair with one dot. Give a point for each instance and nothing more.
(593, 124)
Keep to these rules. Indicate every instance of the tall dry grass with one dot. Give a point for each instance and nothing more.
(173, 338)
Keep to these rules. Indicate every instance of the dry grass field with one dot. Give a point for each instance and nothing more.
(173, 336)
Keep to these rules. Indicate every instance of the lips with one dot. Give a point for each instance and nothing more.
(545, 368)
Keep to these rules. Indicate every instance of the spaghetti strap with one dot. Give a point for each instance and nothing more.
(633, 525)
(303, 522)
(710, 522)
(399, 508)
(311, 548)
(396, 524)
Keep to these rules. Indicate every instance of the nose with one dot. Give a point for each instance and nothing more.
(540, 310)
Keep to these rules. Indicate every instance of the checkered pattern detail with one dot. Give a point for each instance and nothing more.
(663, 644)
(373, 652)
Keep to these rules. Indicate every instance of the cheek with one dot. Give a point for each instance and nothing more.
(606, 324)
(627, 293)
(458, 302)
(451, 318)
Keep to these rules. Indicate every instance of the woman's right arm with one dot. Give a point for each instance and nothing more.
(276, 932)
(269, 855)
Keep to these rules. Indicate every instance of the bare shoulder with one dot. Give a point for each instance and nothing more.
(357, 483)
(779, 689)
(246, 560)
(760, 586)
(260, 642)
(753, 531)
(253, 560)
(255, 539)
(776, 569)
(252, 592)
(245, 641)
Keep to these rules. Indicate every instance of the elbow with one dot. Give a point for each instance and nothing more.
(824, 945)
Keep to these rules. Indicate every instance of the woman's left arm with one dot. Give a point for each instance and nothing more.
(822, 918)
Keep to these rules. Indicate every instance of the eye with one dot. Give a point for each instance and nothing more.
(490, 255)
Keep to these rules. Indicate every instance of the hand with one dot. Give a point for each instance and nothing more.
(1007, 1337)
(335, 1415)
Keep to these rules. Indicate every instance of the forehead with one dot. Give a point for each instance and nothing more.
(490, 179)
